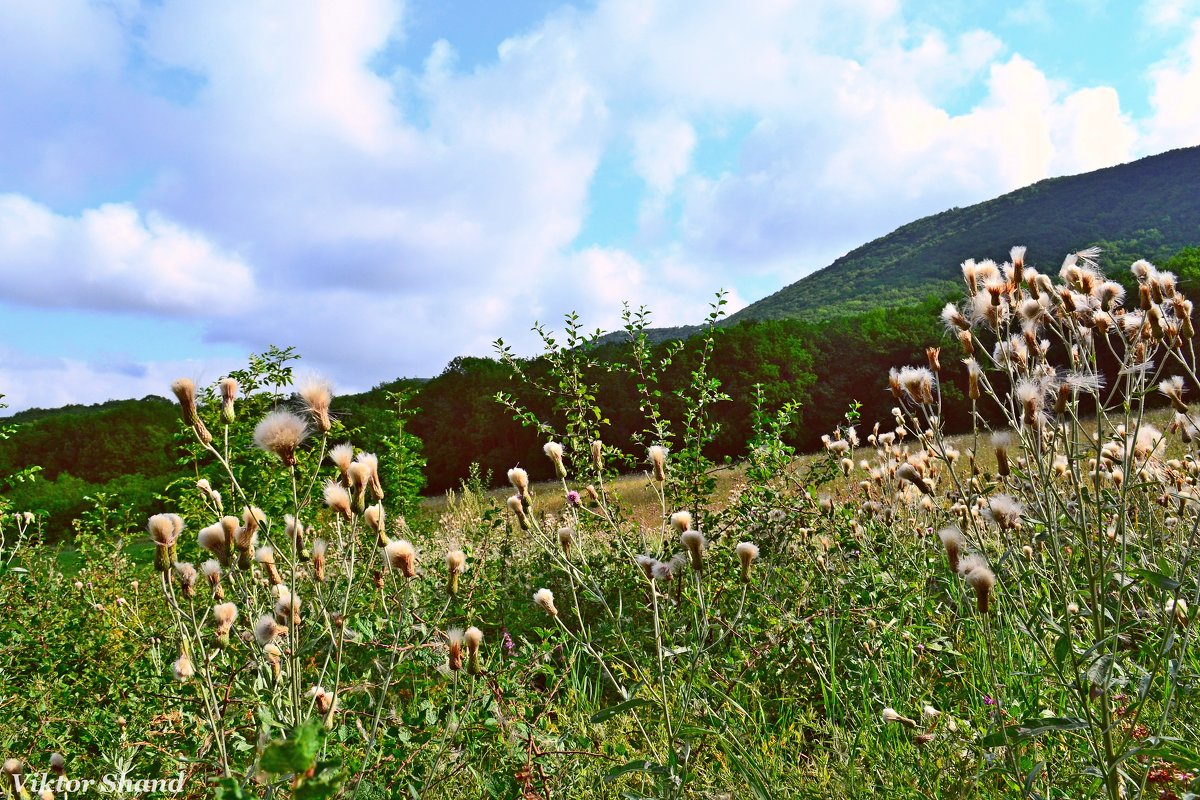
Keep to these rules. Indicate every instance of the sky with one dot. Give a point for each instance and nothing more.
(386, 185)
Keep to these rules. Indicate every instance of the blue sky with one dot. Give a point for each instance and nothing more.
(386, 185)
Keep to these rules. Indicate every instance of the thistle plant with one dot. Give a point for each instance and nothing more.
(1084, 537)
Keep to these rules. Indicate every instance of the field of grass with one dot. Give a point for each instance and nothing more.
(894, 615)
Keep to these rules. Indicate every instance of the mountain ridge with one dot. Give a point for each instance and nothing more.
(1147, 208)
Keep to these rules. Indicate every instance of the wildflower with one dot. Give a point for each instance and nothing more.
(317, 396)
(274, 658)
(573, 499)
(323, 699)
(401, 556)
(1172, 388)
(647, 564)
(287, 605)
(376, 520)
(545, 599)
(519, 479)
(360, 479)
(267, 630)
(1179, 608)
(337, 498)
(211, 569)
(1017, 255)
(507, 642)
(517, 505)
(318, 557)
(229, 390)
(932, 356)
(1073, 608)
(566, 538)
(454, 643)
(165, 530)
(554, 452)
(265, 555)
(246, 536)
(929, 712)
(954, 319)
(371, 465)
(456, 564)
(891, 715)
(917, 383)
(681, 520)
(224, 615)
(293, 529)
(657, 456)
(185, 391)
(1032, 397)
(597, 454)
(1000, 443)
(747, 552)
(970, 275)
(825, 501)
(837, 445)
(342, 457)
(281, 432)
(967, 342)
(58, 764)
(693, 540)
(183, 668)
(473, 638)
(952, 540)
(981, 580)
(187, 578)
(908, 473)
(592, 494)
(1005, 512)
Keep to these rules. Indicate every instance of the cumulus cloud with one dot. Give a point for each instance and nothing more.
(28, 381)
(114, 258)
(1175, 97)
(278, 162)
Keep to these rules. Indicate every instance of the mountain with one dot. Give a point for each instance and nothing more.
(1148, 208)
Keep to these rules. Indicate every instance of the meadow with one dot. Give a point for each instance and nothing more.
(1007, 610)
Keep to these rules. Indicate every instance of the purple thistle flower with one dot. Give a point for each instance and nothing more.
(507, 641)
(573, 498)
(988, 700)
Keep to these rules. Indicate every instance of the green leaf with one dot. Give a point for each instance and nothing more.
(297, 752)
(228, 789)
(635, 766)
(619, 708)
(1157, 579)
(1032, 728)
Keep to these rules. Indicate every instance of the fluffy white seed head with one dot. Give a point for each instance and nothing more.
(281, 432)
(317, 395)
(338, 499)
(545, 599)
(519, 479)
(165, 528)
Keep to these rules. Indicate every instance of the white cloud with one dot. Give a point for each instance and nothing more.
(385, 219)
(34, 382)
(662, 151)
(112, 257)
(1175, 97)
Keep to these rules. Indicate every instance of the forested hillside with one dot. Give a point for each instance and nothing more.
(822, 342)
(1145, 209)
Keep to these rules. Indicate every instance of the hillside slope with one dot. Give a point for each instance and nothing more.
(1148, 208)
